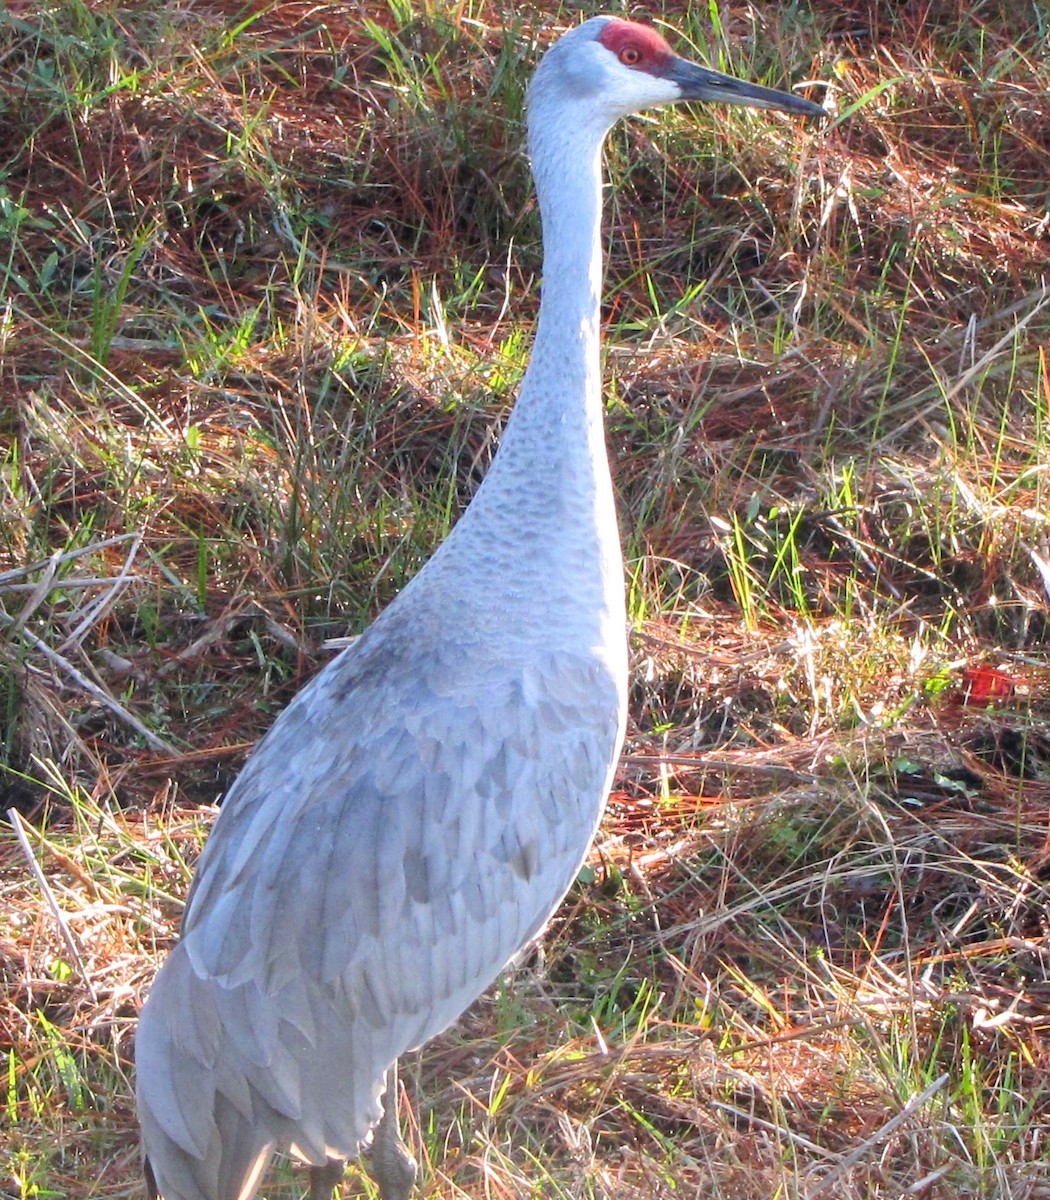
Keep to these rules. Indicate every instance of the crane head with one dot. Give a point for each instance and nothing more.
(623, 67)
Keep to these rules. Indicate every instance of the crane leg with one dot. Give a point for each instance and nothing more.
(393, 1168)
(324, 1180)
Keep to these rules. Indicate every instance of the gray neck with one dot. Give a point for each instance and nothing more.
(555, 439)
(540, 537)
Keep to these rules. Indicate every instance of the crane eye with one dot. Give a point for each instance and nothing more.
(630, 56)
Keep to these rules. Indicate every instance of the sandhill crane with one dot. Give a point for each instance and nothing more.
(415, 815)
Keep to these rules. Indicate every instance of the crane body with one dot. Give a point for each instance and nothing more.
(415, 815)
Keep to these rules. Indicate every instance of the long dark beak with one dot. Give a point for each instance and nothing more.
(698, 83)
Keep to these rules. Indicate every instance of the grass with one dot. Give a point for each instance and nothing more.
(267, 277)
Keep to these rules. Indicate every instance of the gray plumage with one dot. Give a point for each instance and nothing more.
(329, 934)
(415, 815)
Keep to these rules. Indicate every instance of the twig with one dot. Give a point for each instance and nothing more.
(68, 936)
(214, 631)
(93, 689)
(920, 1185)
(1042, 565)
(65, 556)
(339, 643)
(949, 393)
(69, 584)
(102, 604)
(706, 762)
(704, 652)
(37, 596)
(858, 1152)
(779, 1130)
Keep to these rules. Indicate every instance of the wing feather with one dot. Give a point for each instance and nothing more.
(365, 881)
